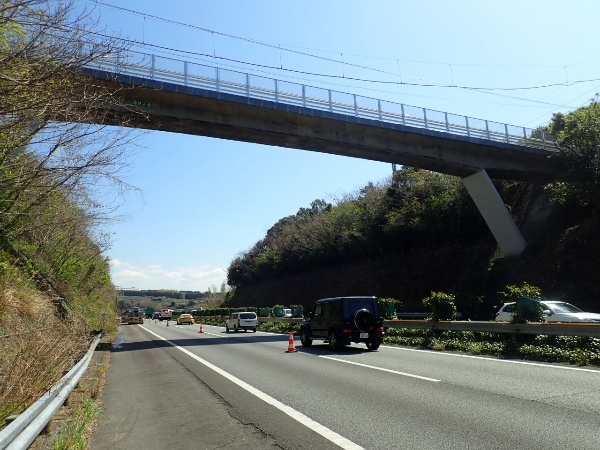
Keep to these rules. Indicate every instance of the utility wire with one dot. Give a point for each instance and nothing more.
(342, 62)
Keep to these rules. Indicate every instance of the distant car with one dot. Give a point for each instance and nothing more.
(241, 321)
(185, 318)
(554, 311)
(156, 315)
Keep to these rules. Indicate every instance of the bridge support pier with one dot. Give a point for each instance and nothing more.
(492, 208)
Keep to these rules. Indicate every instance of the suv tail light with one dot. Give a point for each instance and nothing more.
(379, 330)
(347, 331)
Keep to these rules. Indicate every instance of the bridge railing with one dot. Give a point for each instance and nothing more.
(171, 70)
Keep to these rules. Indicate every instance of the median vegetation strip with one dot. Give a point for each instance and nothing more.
(557, 349)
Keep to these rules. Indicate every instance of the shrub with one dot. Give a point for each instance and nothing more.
(526, 298)
(388, 307)
(441, 305)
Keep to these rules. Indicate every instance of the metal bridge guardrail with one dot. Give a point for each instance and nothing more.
(171, 70)
(20, 433)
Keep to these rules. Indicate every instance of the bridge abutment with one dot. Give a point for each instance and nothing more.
(494, 212)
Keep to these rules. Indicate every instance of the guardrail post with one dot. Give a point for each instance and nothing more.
(544, 140)
(330, 102)
(276, 92)
(425, 117)
(304, 96)
(10, 419)
(217, 79)
(506, 132)
(468, 130)
(525, 135)
(185, 73)
(487, 129)
(447, 124)
(403, 116)
(247, 85)
(355, 106)
(379, 109)
(152, 66)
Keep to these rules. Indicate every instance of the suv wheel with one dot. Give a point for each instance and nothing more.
(334, 343)
(304, 339)
(373, 344)
(235, 329)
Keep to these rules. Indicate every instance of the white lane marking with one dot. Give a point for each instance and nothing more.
(491, 358)
(215, 334)
(382, 369)
(328, 434)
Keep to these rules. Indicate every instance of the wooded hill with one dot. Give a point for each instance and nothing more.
(420, 232)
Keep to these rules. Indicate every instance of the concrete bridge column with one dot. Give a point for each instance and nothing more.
(492, 208)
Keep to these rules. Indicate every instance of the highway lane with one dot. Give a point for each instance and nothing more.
(392, 398)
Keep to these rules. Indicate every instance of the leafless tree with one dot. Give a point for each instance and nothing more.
(53, 132)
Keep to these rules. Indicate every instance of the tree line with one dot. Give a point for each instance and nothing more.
(414, 208)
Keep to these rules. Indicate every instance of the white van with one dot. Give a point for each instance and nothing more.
(241, 321)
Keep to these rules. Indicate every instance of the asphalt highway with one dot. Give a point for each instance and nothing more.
(174, 387)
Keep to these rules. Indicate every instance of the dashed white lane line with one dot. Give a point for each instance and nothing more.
(382, 369)
(328, 434)
(492, 359)
(405, 374)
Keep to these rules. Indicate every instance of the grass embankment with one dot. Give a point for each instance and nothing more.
(38, 346)
(557, 349)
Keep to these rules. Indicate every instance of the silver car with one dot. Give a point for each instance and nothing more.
(554, 311)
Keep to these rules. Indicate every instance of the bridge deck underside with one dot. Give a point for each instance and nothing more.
(179, 109)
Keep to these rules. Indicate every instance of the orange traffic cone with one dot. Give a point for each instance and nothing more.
(201, 329)
(167, 323)
(291, 348)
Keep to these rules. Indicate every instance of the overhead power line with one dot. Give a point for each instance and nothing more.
(339, 61)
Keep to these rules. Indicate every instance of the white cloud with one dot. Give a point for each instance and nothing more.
(199, 278)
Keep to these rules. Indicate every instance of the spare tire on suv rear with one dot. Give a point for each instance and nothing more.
(364, 320)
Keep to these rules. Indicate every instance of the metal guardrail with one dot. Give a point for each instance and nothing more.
(549, 328)
(20, 433)
(184, 73)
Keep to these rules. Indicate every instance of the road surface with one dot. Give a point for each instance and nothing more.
(174, 387)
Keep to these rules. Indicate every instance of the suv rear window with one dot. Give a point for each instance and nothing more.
(358, 304)
(248, 316)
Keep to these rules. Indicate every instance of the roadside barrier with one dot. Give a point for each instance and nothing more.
(21, 432)
(201, 329)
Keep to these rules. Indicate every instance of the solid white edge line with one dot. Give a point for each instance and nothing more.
(328, 434)
(382, 369)
(491, 358)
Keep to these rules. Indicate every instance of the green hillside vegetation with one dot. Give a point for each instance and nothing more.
(420, 232)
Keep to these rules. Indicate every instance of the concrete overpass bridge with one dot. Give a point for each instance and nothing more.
(182, 97)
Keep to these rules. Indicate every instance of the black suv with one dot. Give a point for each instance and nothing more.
(343, 320)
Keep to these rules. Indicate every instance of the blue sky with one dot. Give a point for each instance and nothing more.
(202, 201)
